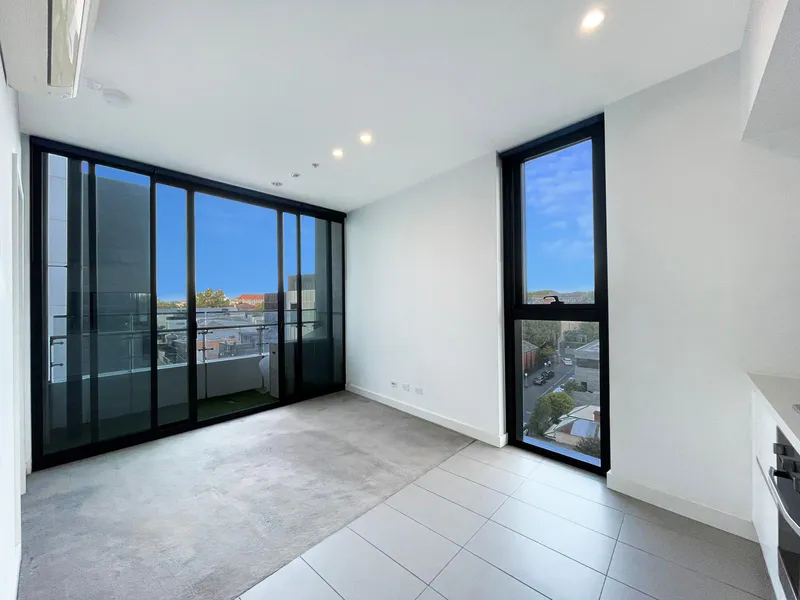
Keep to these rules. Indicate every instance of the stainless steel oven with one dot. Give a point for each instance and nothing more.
(783, 481)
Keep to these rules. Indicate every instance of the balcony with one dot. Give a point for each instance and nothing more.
(237, 369)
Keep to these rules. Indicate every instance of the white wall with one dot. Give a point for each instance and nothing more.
(11, 455)
(763, 24)
(423, 300)
(704, 283)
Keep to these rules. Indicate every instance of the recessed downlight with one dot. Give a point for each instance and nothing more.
(366, 138)
(593, 19)
(338, 153)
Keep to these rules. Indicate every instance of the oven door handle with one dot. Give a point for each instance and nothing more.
(776, 497)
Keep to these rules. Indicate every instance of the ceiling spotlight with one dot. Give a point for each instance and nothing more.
(277, 183)
(593, 19)
(295, 175)
(338, 153)
(366, 138)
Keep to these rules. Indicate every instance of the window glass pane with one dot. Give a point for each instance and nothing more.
(123, 301)
(317, 310)
(558, 226)
(559, 364)
(291, 300)
(337, 296)
(172, 318)
(66, 411)
(237, 288)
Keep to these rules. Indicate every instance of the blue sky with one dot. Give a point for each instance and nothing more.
(236, 246)
(559, 238)
(236, 243)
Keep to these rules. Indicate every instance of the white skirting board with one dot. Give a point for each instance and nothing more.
(494, 440)
(687, 508)
(12, 576)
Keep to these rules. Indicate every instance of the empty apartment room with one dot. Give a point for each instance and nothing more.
(400, 300)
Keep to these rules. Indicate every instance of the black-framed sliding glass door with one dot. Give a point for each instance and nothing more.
(162, 302)
(556, 297)
(236, 308)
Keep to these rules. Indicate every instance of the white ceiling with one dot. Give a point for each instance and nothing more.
(247, 91)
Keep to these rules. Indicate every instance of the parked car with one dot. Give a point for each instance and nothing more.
(568, 362)
(548, 374)
(539, 380)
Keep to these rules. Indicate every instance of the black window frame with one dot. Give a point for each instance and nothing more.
(39, 150)
(515, 307)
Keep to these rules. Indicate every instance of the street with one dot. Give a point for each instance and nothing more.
(532, 393)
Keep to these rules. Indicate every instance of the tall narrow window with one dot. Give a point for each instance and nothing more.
(556, 296)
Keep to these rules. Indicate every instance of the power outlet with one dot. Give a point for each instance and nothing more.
(406, 387)
(418, 390)
(394, 384)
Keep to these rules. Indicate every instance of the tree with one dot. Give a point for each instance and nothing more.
(545, 353)
(590, 446)
(543, 334)
(541, 416)
(167, 304)
(212, 299)
(591, 330)
(572, 386)
(548, 410)
(561, 403)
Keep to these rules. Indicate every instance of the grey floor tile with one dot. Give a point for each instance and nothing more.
(580, 543)
(519, 465)
(594, 488)
(584, 485)
(487, 475)
(543, 569)
(468, 577)
(739, 569)
(359, 571)
(665, 580)
(431, 594)
(677, 522)
(579, 510)
(454, 522)
(463, 492)
(614, 590)
(415, 547)
(295, 581)
(522, 452)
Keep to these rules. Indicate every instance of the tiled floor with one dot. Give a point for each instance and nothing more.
(502, 523)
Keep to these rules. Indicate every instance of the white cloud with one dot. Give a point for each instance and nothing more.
(586, 225)
(557, 225)
(569, 249)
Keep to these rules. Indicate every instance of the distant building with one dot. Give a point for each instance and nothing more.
(529, 355)
(265, 302)
(582, 422)
(570, 326)
(565, 297)
(308, 291)
(587, 366)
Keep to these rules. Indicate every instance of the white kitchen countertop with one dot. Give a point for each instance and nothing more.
(781, 393)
